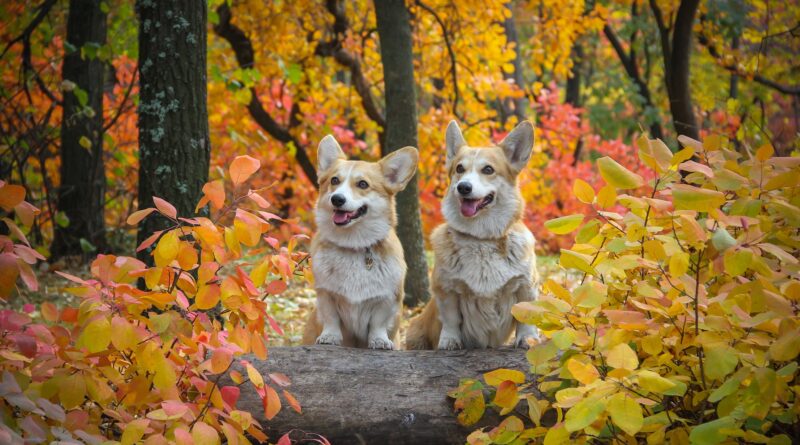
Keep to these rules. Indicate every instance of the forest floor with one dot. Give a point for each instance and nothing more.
(290, 309)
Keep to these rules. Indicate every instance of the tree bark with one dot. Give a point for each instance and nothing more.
(520, 103)
(382, 397)
(81, 194)
(174, 147)
(677, 55)
(394, 31)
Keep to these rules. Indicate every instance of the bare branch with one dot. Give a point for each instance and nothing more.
(243, 50)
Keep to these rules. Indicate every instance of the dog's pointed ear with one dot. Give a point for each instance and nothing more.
(518, 145)
(453, 140)
(328, 152)
(399, 167)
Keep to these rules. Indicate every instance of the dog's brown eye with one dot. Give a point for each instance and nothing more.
(362, 184)
(488, 170)
(334, 181)
(459, 168)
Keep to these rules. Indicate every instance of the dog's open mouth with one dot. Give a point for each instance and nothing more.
(343, 218)
(470, 207)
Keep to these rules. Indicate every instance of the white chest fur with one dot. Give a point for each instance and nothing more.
(346, 272)
(486, 266)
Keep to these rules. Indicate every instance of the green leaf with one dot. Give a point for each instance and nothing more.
(722, 360)
(81, 95)
(722, 240)
(711, 433)
(62, 219)
(617, 175)
(86, 246)
(564, 224)
(583, 414)
(85, 142)
(726, 389)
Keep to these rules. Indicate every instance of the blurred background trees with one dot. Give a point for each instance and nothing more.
(280, 75)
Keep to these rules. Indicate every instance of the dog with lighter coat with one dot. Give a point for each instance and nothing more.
(484, 254)
(356, 257)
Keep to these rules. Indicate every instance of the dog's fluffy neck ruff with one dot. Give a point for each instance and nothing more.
(489, 224)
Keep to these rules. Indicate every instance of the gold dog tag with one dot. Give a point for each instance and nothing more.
(368, 260)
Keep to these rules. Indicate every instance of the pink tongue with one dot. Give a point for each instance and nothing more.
(469, 207)
(340, 217)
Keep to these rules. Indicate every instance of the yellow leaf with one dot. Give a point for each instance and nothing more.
(683, 155)
(736, 261)
(254, 376)
(712, 142)
(679, 264)
(557, 435)
(687, 197)
(571, 259)
(203, 434)
(85, 142)
(622, 357)
(165, 377)
(564, 224)
(506, 397)
(626, 413)
(583, 191)
(167, 249)
(607, 196)
(498, 376)
(787, 347)
(96, 335)
(585, 373)
(134, 431)
(617, 175)
(764, 152)
(653, 382)
(72, 391)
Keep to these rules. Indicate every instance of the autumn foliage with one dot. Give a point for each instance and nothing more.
(146, 363)
(684, 325)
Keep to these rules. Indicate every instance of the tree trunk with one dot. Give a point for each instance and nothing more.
(81, 194)
(174, 147)
(520, 103)
(677, 57)
(381, 397)
(573, 94)
(394, 30)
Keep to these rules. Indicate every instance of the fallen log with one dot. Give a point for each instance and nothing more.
(362, 396)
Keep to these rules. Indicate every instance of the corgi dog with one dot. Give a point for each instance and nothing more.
(357, 259)
(484, 255)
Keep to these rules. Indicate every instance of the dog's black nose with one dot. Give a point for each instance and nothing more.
(338, 200)
(465, 188)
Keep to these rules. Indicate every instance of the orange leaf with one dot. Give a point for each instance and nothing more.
(149, 241)
(165, 208)
(242, 168)
(220, 360)
(207, 296)
(8, 274)
(137, 216)
(10, 196)
(280, 378)
(272, 403)
(292, 401)
(215, 192)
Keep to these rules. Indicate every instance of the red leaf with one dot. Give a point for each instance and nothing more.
(165, 208)
(276, 287)
(8, 274)
(284, 440)
(149, 241)
(274, 325)
(230, 395)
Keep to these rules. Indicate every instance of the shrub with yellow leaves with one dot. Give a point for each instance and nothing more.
(684, 327)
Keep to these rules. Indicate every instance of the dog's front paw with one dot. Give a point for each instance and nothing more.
(380, 343)
(329, 339)
(524, 342)
(450, 343)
